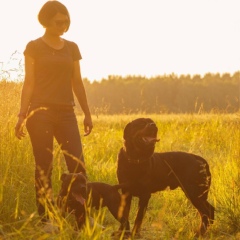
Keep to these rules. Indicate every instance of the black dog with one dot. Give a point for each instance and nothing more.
(76, 192)
(146, 172)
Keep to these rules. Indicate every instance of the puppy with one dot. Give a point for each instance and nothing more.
(76, 192)
(144, 172)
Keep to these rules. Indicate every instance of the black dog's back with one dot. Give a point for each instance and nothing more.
(180, 169)
(168, 169)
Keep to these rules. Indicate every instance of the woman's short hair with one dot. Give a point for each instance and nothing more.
(49, 10)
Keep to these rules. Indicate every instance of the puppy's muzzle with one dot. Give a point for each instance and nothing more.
(80, 194)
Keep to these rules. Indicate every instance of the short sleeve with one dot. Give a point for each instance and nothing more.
(76, 52)
(30, 50)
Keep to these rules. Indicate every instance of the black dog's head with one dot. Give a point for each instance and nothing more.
(73, 192)
(140, 137)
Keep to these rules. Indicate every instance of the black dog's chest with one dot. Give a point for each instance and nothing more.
(145, 176)
(128, 172)
(138, 172)
(137, 177)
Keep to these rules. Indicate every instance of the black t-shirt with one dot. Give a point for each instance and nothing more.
(53, 72)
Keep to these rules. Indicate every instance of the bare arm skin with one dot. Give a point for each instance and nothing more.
(25, 96)
(79, 91)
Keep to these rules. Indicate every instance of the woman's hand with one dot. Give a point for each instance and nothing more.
(19, 133)
(88, 126)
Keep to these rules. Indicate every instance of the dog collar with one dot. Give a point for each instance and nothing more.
(134, 161)
(137, 161)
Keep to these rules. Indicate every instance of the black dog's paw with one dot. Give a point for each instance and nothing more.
(121, 234)
(127, 235)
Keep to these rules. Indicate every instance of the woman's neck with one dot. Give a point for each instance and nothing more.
(54, 41)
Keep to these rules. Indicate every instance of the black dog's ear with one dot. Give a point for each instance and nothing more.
(127, 131)
(63, 176)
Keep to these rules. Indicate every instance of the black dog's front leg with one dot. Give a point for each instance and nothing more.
(142, 207)
(124, 212)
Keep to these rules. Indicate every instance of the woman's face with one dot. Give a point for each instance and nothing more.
(58, 24)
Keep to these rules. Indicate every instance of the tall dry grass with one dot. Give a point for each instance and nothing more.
(216, 137)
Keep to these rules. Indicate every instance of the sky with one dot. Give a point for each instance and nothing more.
(135, 37)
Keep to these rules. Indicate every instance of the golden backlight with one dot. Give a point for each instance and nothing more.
(136, 37)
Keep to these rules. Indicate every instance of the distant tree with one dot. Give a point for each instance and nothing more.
(167, 93)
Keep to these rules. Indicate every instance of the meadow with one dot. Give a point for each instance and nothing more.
(216, 137)
(170, 215)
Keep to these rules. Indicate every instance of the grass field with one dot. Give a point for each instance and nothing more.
(169, 216)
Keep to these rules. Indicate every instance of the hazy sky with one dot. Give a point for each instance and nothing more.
(136, 37)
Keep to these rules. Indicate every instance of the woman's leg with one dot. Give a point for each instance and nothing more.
(68, 137)
(40, 129)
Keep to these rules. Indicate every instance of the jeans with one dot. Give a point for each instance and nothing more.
(43, 125)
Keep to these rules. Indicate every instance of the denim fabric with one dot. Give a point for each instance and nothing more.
(43, 125)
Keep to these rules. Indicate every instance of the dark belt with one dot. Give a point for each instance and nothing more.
(52, 106)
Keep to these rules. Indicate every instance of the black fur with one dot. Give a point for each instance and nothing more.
(144, 172)
(76, 192)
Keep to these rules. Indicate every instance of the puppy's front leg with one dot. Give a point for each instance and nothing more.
(142, 207)
(80, 217)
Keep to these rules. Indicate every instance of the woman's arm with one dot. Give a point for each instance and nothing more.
(79, 91)
(27, 90)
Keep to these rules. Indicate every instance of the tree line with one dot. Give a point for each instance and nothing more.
(160, 94)
(165, 94)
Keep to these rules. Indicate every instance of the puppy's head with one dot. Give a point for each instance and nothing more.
(140, 137)
(74, 188)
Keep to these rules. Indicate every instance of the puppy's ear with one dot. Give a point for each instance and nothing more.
(63, 176)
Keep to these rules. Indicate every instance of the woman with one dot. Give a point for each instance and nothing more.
(52, 74)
